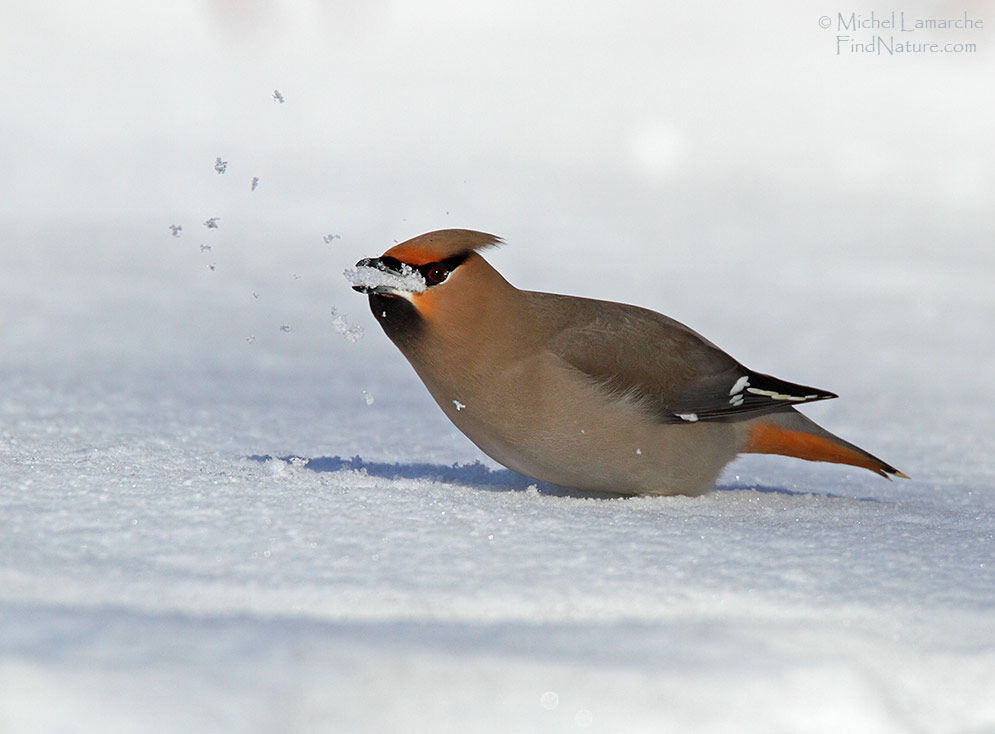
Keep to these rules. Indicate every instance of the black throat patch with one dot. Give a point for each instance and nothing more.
(398, 317)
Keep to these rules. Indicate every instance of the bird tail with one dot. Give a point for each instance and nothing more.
(792, 434)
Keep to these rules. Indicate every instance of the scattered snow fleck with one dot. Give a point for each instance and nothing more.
(689, 417)
(277, 97)
(286, 328)
(205, 248)
(176, 229)
(740, 384)
(250, 338)
(212, 267)
(342, 326)
(736, 400)
(408, 280)
(639, 452)
(329, 238)
(212, 223)
(367, 397)
(288, 468)
(295, 276)
(459, 405)
(255, 182)
(255, 295)
(219, 165)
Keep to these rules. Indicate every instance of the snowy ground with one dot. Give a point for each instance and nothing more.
(224, 508)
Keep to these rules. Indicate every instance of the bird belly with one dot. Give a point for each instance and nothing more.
(549, 423)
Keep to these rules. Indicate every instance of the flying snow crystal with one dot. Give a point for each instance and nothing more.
(255, 295)
(219, 165)
(277, 97)
(286, 328)
(205, 248)
(367, 397)
(255, 182)
(295, 276)
(328, 238)
(459, 405)
(342, 326)
(212, 223)
(176, 229)
(250, 338)
(212, 267)
(408, 280)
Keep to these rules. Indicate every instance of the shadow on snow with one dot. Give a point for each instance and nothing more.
(467, 475)
(482, 477)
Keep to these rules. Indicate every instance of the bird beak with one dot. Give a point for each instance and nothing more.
(385, 276)
(379, 264)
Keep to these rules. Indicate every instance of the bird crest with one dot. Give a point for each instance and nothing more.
(441, 244)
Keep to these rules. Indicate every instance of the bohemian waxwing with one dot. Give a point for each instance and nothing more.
(586, 394)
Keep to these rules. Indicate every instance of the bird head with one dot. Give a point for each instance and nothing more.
(416, 279)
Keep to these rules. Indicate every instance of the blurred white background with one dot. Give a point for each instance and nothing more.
(714, 162)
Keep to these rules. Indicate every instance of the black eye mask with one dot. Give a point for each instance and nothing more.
(437, 272)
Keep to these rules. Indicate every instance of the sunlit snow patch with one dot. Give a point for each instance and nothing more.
(376, 278)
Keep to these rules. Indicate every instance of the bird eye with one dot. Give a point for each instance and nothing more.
(436, 274)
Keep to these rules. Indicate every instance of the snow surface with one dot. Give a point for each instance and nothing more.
(208, 523)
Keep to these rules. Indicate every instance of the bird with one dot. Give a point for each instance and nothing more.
(587, 394)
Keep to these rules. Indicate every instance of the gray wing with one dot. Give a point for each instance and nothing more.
(674, 372)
